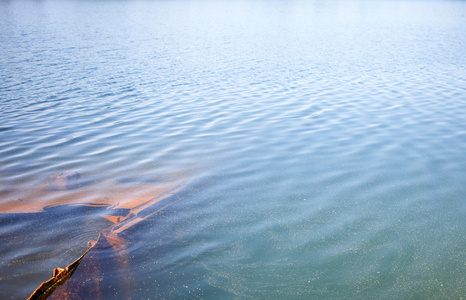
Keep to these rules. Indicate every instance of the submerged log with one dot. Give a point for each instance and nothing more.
(107, 262)
(110, 248)
(60, 276)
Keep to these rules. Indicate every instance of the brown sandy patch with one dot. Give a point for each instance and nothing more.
(113, 195)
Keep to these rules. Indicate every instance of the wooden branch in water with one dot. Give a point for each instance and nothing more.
(137, 214)
(60, 276)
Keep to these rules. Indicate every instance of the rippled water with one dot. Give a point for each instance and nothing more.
(328, 138)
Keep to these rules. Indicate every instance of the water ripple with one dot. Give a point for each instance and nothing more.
(334, 133)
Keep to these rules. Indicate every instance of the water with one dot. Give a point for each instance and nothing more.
(328, 138)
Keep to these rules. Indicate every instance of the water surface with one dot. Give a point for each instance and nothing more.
(329, 138)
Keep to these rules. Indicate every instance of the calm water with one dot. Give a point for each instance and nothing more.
(326, 140)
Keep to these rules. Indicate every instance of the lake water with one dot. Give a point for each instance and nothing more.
(324, 143)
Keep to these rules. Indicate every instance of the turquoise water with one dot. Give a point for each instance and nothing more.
(326, 141)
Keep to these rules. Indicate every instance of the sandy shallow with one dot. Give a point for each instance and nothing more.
(114, 194)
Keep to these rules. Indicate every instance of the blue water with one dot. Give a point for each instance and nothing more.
(326, 140)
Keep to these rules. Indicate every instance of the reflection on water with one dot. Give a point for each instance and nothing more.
(330, 133)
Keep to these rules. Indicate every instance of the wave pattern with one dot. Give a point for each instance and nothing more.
(333, 134)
